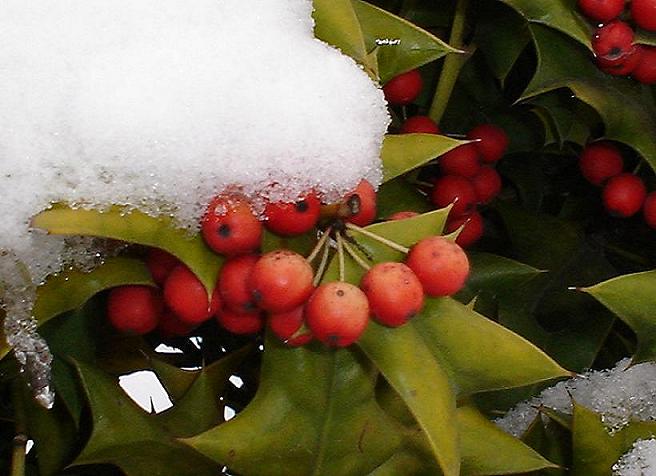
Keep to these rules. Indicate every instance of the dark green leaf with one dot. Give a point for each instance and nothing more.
(398, 195)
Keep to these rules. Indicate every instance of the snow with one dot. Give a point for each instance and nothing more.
(639, 461)
(620, 394)
(162, 104)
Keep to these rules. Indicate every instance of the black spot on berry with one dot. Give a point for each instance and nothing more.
(256, 295)
(615, 51)
(224, 231)
(354, 204)
(302, 206)
(340, 293)
(333, 339)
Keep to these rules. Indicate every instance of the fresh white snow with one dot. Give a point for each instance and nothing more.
(639, 461)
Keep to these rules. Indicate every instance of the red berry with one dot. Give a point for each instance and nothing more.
(289, 328)
(404, 88)
(234, 284)
(457, 190)
(240, 323)
(464, 161)
(600, 161)
(229, 226)
(281, 281)
(493, 141)
(624, 195)
(402, 215)
(394, 292)
(441, 265)
(362, 203)
(134, 309)
(471, 232)
(187, 297)
(613, 40)
(289, 219)
(623, 65)
(420, 125)
(649, 210)
(170, 325)
(602, 10)
(487, 184)
(160, 264)
(644, 14)
(645, 71)
(337, 313)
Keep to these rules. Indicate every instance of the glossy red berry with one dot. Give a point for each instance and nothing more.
(404, 88)
(281, 281)
(170, 325)
(457, 190)
(240, 323)
(471, 232)
(337, 313)
(649, 210)
(289, 219)
(644, 14)
(160, 264)
(601, 10)
(402, 215)
(394, 292)
(362, 204)
(187, 297)
(600, 161)
(645, 70)
(229, 226)
(622, 65)
(441, 265)
(134, 309)
(464, 161)
(289, 327)
(420, 125)
(487, 184)
(492, 141)
(613, 41)
(624, 195)
(234, 285)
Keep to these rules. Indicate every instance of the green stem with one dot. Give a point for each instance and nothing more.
(349, 249)
(318, 246)
(340, 256)
(392, 244)
(20, 438)
(453, 63)
(322, 265)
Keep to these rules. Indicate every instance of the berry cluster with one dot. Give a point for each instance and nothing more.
(624, 194)
(281, 287)
(613, 41)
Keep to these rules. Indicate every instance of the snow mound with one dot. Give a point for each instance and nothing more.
(639, 461)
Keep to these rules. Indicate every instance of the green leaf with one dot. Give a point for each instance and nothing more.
(595, 450)
(134, 226)
(645, 37)
(625, 106)
(405, 152)
(561, 15)
(398, 195)
(127, 437)
(415, 47)
(314, 413)
(69, 290)
(632, 298)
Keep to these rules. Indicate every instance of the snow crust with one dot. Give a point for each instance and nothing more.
(639, 461)
(620, 394)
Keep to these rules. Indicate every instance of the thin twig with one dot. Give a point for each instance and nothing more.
(340, 256)
(318, 246)
(352, 253)
(322, 265)
(380, 239)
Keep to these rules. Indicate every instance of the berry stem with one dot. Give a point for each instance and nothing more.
(317, 248)
(340, 255)
(380, 239)
(20, 438)
(322, 265)
(352, 253)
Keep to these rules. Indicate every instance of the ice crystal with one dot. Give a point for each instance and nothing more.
(639, 461)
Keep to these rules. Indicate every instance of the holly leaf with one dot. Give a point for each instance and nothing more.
(399, 45)
(314, 413)
(632, 298)
(398, 195)
(134, 226)
(645, 37)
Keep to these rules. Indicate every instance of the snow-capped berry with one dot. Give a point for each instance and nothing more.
(492, 141)
(404, 88)
(464, 161)
(457, 190)
(240, 323)
(601, 10)
(229, 226)
(289, 219)
(420, 125)
(234, 284)
(160, 264)
(600, 161)
(470, 233)
(187, 297)
(624, 195)
(643, 13)
(394, 292)
(441, 265)
(362, 204)
(134, 309)
(289, 327)
(487, 184)
(337, 313)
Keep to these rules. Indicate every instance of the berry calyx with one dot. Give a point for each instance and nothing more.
(487, 184)
(229, 226)
(649, 210)
(281, 281)
(613, 40)
(337, 313)
(187, 297)
(492, 141)
(160, 264)
(471, 232)
(394, 292)
(601, 10)
(456, 190)
(289, 327)
(420, 125)
(441, 265)
(464, 161)
(624, 195)
(361, 204)
(240, 323)
(290, 219)
(644, 14)
(234, 284)
(404, 88)
(600, 161)
(134, 309)
(645, 70)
